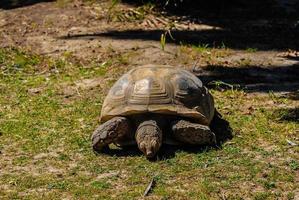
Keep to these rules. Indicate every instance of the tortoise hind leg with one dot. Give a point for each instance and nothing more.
(109, 132)
(193, 133)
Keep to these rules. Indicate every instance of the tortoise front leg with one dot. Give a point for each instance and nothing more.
(193, 133)
(110, 132)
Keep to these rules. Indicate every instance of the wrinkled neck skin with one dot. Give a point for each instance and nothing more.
(149, 134)
(161, 119)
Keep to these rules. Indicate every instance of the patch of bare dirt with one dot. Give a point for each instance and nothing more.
(88, 32)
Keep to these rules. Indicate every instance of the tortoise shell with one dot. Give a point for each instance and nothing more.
(159, 89)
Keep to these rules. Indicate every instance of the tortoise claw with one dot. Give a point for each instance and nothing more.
(109, 132)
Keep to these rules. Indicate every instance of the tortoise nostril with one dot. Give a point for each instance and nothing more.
(149, 154)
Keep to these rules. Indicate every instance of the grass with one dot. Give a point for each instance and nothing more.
(45, 141)
(129, 15)
(202, 48)
(244, 62)
(251, 50)
(205, 54)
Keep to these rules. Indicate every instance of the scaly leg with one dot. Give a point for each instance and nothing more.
(109, 132)
(193, 133)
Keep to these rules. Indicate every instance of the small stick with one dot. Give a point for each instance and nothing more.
(149, 187)
(291, 143)
(194, 66)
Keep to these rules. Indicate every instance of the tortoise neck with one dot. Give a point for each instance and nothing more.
(161, 120)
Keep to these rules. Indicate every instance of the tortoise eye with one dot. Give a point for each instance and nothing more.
(154, 143)
(142, 145)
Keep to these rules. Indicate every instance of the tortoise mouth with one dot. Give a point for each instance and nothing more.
(149, 154)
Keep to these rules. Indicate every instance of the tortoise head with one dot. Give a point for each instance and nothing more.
(149, 138)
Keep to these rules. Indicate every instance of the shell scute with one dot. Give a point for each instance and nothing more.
(159, 89)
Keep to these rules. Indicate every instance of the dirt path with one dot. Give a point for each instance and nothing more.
(88, 32)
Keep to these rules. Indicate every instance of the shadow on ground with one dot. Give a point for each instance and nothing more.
(287, 114)
(264, 25)
(219, 126)
(243, 9)
(293, 95)
(10, 4)
(251, 78)
(237, 37)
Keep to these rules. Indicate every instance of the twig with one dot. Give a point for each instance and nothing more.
(194, 66)
(291, 143)
(150, 187)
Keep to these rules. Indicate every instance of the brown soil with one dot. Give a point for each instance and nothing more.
(260, 57)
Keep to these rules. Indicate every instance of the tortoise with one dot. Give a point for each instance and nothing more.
(155, 104)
